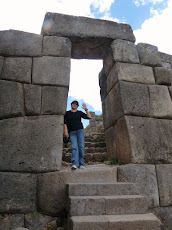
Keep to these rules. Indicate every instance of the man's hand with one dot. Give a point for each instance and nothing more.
(84, 106)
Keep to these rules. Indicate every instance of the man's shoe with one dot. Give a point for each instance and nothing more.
(82, 167)
(74, 167)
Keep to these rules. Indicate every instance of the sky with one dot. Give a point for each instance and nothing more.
(149, 19)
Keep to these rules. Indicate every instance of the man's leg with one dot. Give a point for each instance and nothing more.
(81, 145)
(74, 145)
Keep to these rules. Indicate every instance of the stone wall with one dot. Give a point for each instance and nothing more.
(136, 94)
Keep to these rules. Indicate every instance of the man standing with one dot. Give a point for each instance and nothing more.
(73, 128)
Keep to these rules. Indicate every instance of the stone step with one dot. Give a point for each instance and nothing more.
(102, 189)
(95, 144)
(88, 149)
(98, 157)
(116, 222)
(106, 205)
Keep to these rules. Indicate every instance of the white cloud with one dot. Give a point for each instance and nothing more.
(84, 83)
(102, 5)
(145, 2)
(157, 30)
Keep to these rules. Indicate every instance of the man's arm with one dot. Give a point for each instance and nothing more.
(66, 134)
(86, 110)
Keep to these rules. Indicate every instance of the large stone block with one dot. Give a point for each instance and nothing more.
(19, 43)
(11, 99)
(102, 77)
(165, 214)
(1, 64)
(166, 65)
(17, 69)
(128, 98)
(130, 72)
(31, 144)
(54, 100)
(56, 46)
(170, 90)
(163, 76)
(51, 71)
(52, 193)
(149, 54)
(160, 101)
(107, 119)
(164, 175)
(120, 51)
(82, 27)
(111, 143)
(145, 178)
(103, 90)
(32, 95)
(18, 192)
(144, 140)
(165, 57)
(11, 221)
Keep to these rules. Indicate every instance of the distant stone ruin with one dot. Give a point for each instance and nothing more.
(136, 94)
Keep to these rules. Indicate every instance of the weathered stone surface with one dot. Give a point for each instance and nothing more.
(1, 64)
(86, 27)
(163, 76)
(164, 175)
(102, 77)
(11, 99)
(130, 72)
(145, 177)
(53, 201)
(165, 214)
(18, 192)
(11, 221)
(160, 101)
(37, 221)
(51, 71)
(165, 57)
(144, 140)
(103, 90)
(111, 143)
(32, 95)
(149, 54)
(54, 100)
(170, 90)
(166, 65)
(56, 46)
(19, 43)
(107, 119)
(21, 229)
(31, 144)
(128, 98)
(17, 69)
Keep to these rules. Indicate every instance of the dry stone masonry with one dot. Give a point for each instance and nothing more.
(136, 93)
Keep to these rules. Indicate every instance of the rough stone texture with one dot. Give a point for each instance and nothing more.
(107, 119)
(144, 140)
(86, 27)
(11, 99)
(164, 175)
(165, 57)
(103, 90)
(56, 46)
(160, 101)
(21, 229)
(31, 144)
(52, 201)
(19, 43)
(163, 76)
(128, 98)
(17, 69)
(90, 37)
(120, 51)
(11, 221)
(1, 64)
(102, 77)
(149, 54)
(51, 71)
(170, 90)
(166, 65)
(18, 192)
(32, 95)
(37, 221)
(165, 214)
(131, 73)
(145, 177)
(54, 100)
(111, 143)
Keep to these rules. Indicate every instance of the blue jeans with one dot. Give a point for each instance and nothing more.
(77, 143)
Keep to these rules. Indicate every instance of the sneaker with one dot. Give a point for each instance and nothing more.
(74, 167)
(82, 167)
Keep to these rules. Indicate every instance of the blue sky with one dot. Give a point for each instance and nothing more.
(149, 19)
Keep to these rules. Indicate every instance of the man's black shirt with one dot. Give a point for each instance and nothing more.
(73, 120)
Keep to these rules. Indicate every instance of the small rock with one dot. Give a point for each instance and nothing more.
(52, 225)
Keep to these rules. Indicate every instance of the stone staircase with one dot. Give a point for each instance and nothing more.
(95, 149)
(106, 206)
